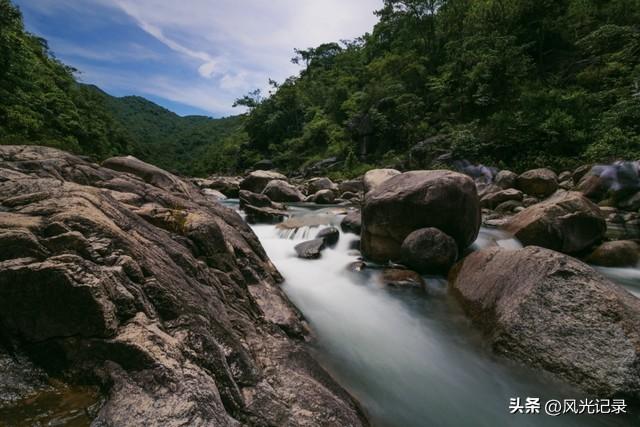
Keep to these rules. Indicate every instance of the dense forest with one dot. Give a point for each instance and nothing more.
(514, 83)
(508, 83)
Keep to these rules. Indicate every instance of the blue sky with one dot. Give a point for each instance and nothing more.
(191, 56)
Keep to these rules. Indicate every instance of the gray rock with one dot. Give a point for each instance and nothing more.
(375, 177)
(137, 284)
(553, 312)
(429, 250)
(351, 186)
(310, 249)
(619, 253)
(256, 181)
(352, 223)
(281, 191)
(324, 197)
(441, 199)
(567, 222)
(330, 235)
(318, 184)
(506, 179)
(538, 182)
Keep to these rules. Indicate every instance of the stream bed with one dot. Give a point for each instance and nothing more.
(411, 357)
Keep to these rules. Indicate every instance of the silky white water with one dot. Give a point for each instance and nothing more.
(411, 358)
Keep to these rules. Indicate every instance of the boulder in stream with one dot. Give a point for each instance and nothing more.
(310, 249)
(429, 250)
(256, 181)
(551, 311)
(538, 182)
(352, 223)
(330, 235)
(281, 191)
(619, 253)
(375, 177)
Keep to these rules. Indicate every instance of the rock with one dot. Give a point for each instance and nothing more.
(565, 176)
(631, 203)
(538, 182)
(580, 172)
(620, 253)
(324, 197)
(227, 185)
(349, 196)
(149, 173)
(494, 199)
(265, 214)
(567, 222)
(529, 201)
(553, 312)
(400, 278)
(254, 199)
(330, 235)
(508, 207)
(429, 250)
(310, 249)
(136, 284)
(375, 177)
(318, 184)
(351, 186)
(616, 182)
(256, 181)
(506, 179)
(213, 194)
(281, 191)
(420, 199)
(566, 185)
(352, 223)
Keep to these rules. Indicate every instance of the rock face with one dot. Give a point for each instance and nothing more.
(567, 222)
(139, 284)
(621, 253)
(352, 223)
(441, 199)
(375, 177)
(538, 182)
(429, 250)
(281, 191)
(551, 311)
(256, 181)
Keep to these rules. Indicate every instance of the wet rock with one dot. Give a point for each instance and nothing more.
(429, 250)
(444, 200)
(494, 199)
(351, 186)
(213, 194)
(330, 235)
(375, 177)
(282, 191)
(567, 222)
(269, 215)
(256, 181)
(324, 197)
(506, 179)
(400, 278)
(352, 223)
(553, 312)
(310, 249)
(620, 253)
(538, 182)
(169, 305)
(254, 199)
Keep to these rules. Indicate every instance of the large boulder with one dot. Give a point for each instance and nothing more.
(375, 177)
(567, 222)
(554, 312)
(139, 285)
(324, 197)
(429, 250)
(256, 181)
(441, 199)
(538, 182)
(281, 191)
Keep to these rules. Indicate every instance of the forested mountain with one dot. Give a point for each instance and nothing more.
(505, 82)
(42, 103)
(517, 83)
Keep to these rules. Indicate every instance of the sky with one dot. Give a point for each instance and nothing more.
(191, 56)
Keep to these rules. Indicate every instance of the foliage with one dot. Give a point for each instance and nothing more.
(518, 83)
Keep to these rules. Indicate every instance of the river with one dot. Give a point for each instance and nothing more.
(410, 357)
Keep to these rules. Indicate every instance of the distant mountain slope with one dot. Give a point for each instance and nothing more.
(191, 145)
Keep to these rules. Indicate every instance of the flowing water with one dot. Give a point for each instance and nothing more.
(412, 358)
